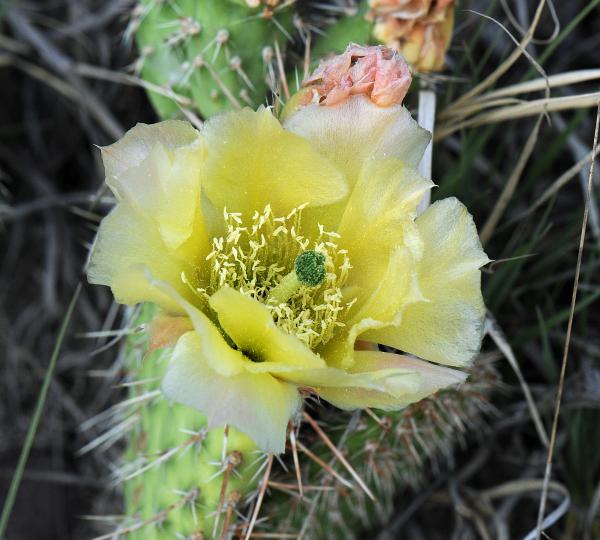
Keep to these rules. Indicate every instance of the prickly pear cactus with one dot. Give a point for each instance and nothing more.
(179, 479)
(390, 452)
(218, 54)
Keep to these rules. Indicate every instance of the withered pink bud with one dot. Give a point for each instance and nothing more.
(419, 29)
(377, 72)
(402, 9)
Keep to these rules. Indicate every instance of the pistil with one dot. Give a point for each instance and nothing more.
(309, 270)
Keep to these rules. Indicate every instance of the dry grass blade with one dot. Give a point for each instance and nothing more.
(39, 73)
(522, 487)
(96, 72)
(64, 67)
(494, 98)
(522, 110)
(493, 329)
(506, 65)
(537, 85)
(259, 500)
(339, 455)
(563, 369)
(511, 185)
(560, 182)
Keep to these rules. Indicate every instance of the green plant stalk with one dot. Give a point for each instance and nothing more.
(37, 415)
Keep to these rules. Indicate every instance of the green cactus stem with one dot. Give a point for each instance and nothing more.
(179, 479)
(219, 55)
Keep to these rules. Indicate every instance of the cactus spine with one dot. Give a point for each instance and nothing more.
(389, 451)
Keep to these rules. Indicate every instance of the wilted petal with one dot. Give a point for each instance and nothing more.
(379, 73)
(165, 330)
(420, 29)
(409, 380)
(126, 244)
(401, 9)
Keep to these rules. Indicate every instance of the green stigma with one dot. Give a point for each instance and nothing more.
(310, 268)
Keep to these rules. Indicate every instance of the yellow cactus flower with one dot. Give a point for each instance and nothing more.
(277, 250)
(420, 29)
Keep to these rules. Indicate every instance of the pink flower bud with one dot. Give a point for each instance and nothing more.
(377, 72)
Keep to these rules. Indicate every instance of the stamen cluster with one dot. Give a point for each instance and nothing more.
(254, 257)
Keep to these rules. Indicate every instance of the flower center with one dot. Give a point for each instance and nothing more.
(298, 278)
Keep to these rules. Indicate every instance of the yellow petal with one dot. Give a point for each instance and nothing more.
(157, 170)
(221, 357)
(126, 244)
(250, 325)
(179, 214)
(155, 174)
(252, 161)
(379, 218)
(408, 380)
(317, 377)
(138, 142)
(358, 131)
(448, 327)
(398, 287)
(258, 405)
(384, 247)
(379, 307)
